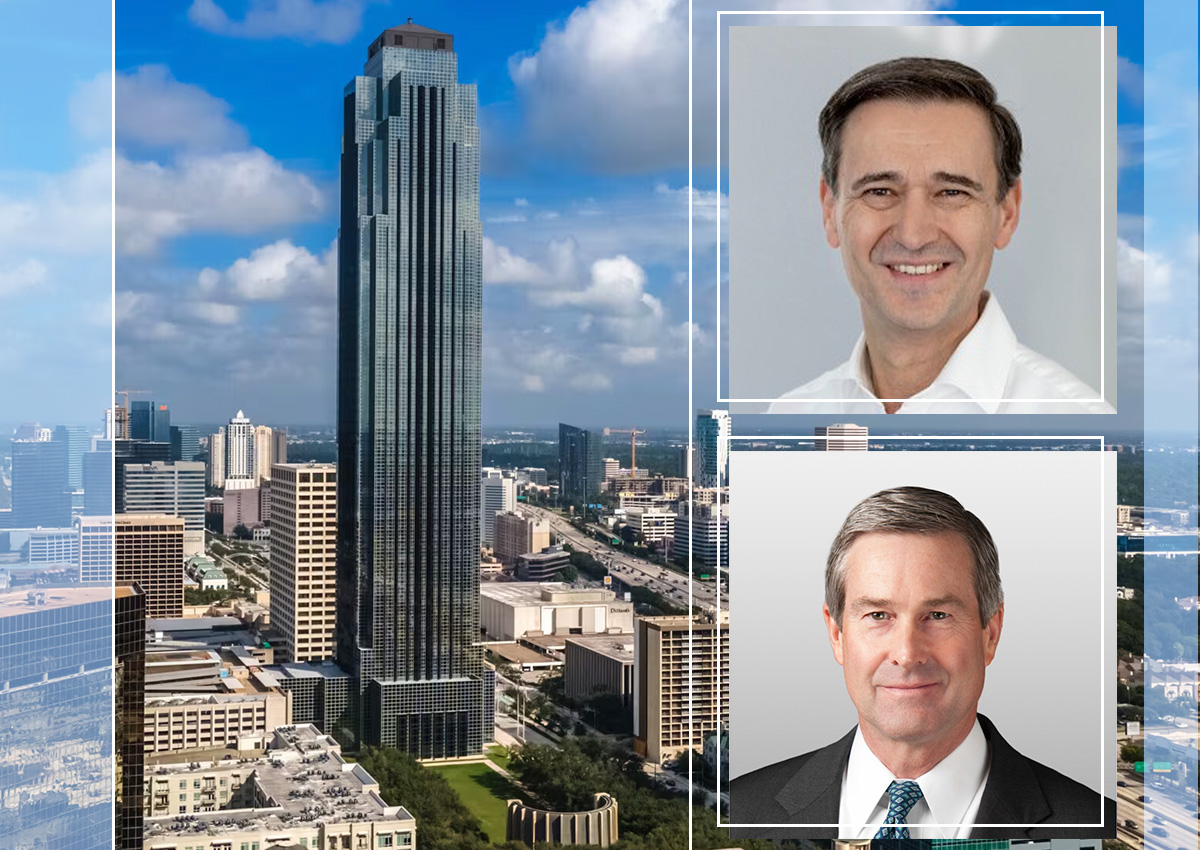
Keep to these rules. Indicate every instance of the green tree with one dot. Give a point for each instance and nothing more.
(240, 532)
(1132, 752)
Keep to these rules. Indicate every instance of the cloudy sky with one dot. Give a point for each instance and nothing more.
(227, 141)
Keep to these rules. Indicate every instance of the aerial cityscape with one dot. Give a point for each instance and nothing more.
(402, 515)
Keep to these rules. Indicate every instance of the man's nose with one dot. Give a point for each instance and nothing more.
(909, 647)
(917, 224)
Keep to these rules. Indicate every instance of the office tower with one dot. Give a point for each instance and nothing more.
(518, 535)
(580, 466)
(612, 468)
(98, 481)
(78, 441)
(535, 474)
(496, 493)
(712, 448)
(303, 559)
(149, 550)
(707, 531)
(185, 442)
(841, 438)
(672, 670)
(174, 489)
(126, 452)
(39, 484)
(262, 454)
(149, 421)
(96, 549)
(216, 459)
(130, 622)
(56, 717)
(279, 445)
(31, 432)
(239, 453)
(409, 314)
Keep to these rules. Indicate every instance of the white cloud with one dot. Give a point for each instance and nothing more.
(590, 382)
(617, 287)
(216, 313)
(1144, 278)
(1130, 79)
(502, 266)
(508, 218)
(520, 202)
(28, 275)
(156, 110)
(67, 213)
(91, 107)
(236, 192)
(274, 271)
(610, 84)
(331, 21)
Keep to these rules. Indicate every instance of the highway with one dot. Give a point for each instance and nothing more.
(671, 585)
(1167, 811)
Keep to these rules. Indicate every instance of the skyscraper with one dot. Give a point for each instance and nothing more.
(78, 441)
(185, 442)
(239, 454)
(712, 448)
(149, 421)
(580, 465)
(497, 492)
(39, 484)
(409, 315)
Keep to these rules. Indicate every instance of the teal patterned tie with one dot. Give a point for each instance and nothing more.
(903, 794)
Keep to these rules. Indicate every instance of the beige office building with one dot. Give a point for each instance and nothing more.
(149, 550)
(515, 610)
(653, 525)
(303, 559)
(518, 535)
(301, 794)
(669, 677)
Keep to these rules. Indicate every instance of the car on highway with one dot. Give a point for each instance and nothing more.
(1145, 799)
(1122, 783)
(1130, 824)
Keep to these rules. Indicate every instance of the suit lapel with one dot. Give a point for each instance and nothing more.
(814, 792)
(1012, 794)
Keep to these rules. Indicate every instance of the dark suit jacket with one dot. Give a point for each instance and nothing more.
(808, 789)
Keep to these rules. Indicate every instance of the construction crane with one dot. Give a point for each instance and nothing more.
(128, 393)
(120, 414)
(633, 433)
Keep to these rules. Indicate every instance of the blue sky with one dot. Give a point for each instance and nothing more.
(55, 212)
(225, 294)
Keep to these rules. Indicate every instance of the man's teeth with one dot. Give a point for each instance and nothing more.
(926, 269)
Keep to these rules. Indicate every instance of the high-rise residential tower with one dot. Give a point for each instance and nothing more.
(239, 454)
(580, 465)
(712, 448)
(409, 315)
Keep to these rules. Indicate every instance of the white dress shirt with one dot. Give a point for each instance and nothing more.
(952, 791)
(989, 372)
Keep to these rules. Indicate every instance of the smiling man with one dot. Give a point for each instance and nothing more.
(920, 184)
(914, 609)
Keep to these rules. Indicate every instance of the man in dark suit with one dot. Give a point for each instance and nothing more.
(914, 609)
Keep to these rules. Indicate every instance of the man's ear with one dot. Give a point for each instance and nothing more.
(835, 634)
(1010, 214)
(991, 635)
(829, 213)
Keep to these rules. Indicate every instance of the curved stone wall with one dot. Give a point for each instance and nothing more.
(595, 828)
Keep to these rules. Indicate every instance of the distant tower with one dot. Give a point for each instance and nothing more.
(263, 441)
(713, 428)
(580, 465)
(409, 313)
(239, 453)
(40, 495)
(216, 459)
(841, 438)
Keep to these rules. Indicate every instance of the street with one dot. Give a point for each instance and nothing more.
(671, 585)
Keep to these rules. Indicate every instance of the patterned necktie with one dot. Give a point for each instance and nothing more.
(903, 794)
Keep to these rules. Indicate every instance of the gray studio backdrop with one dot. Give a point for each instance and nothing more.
(1051, 687)
(792, 315)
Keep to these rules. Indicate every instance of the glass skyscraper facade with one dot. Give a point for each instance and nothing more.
(409, 316)
(580, 464)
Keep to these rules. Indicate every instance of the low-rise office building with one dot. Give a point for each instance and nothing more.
(514, 610)
(599, 664)
(301, 794)
(544, 565)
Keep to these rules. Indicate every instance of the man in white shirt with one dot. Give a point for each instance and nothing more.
(914, 609)
(920, 184)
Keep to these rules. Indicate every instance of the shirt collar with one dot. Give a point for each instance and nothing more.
(978, 369)
(948, 787)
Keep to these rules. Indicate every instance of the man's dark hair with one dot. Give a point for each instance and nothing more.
(918, 80)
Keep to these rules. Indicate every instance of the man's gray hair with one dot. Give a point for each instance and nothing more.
(915, 510)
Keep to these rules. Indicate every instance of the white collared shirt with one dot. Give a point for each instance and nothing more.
(989, 372)
(952, 791)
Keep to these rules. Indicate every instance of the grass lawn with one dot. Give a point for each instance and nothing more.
(498, 755)
(483, 791)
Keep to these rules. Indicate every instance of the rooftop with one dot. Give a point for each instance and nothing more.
(545, 593)
(15, 602)
(617, 647)
(304, 778)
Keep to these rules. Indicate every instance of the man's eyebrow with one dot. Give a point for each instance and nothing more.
(864, 603)
(957, 180)
(876, 177)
